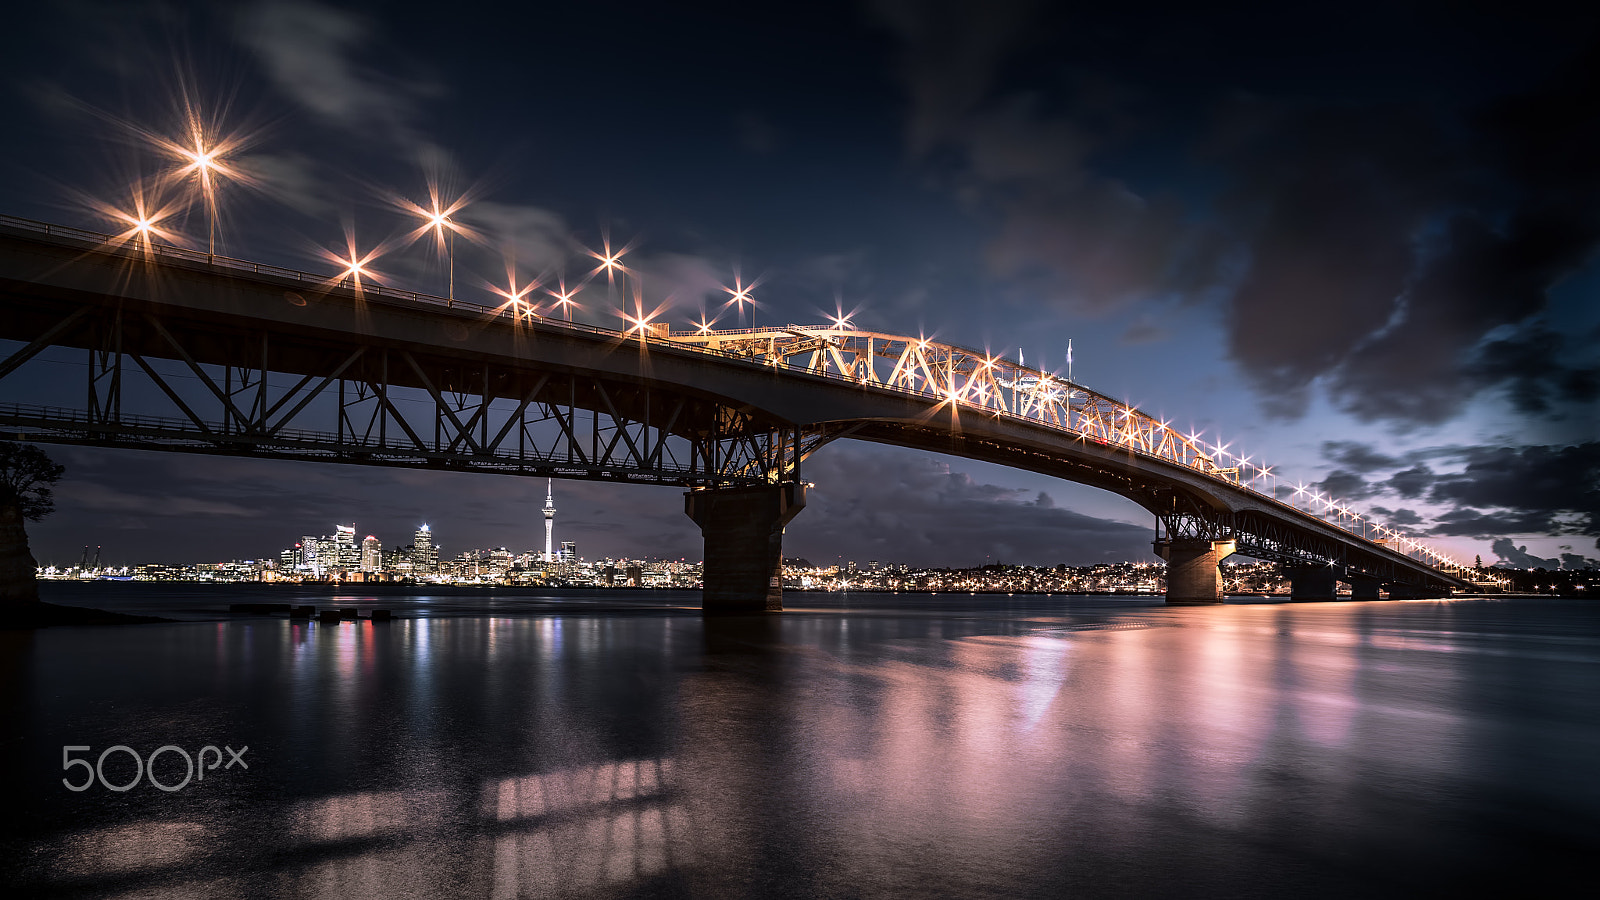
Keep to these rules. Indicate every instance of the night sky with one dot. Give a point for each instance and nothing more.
(1358, 241)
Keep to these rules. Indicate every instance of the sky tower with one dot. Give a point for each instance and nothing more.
(549, 517)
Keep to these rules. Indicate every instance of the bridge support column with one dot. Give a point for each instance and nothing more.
(1192, 573)
(743, 532)
(1363, 587)
(1312, 583)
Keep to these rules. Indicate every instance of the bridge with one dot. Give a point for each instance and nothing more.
(190, 352)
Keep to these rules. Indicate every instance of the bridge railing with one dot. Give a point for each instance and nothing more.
(370, 287)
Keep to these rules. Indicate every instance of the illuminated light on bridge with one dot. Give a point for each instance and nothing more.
(638, 323)
(438, 219)
(202, 156)
(741, 296)
(144, 224)
(610, 261)
(564, 297)
(1158, 467)
(355, 264)
(515, 302)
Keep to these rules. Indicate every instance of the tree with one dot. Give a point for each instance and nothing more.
(26, 475)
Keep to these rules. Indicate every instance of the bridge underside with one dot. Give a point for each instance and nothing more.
(209, 388)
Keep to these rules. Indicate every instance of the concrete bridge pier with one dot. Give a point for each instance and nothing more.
(1192, 573)
(1312, 583)
(1363, 587)
(743, 532)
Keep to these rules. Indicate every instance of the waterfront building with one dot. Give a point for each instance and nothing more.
(371, 555)
(347, 555)
(424, 555)
(309, 560)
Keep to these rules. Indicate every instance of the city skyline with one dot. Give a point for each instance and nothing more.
(1015, 177)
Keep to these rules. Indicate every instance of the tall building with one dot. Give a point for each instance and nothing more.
(346, 553)
(371, 555)
(310, 557)
(549, 518)
(569, 551)
(424, 556)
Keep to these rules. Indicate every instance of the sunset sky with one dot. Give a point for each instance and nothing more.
(1358, 242)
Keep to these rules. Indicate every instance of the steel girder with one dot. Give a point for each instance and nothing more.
(363, 402)
(958, 375)
(1265, 538)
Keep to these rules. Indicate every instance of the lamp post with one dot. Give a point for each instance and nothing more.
(741, 296)
(203, 162)
(563, 298)
(441, 222)
(610, 262)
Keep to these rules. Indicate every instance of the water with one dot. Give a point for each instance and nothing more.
(615, 744)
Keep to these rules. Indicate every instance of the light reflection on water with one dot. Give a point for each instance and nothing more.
(1035, 748)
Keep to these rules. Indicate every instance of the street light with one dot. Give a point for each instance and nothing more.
(142, 222)
(439, 222)
(610, 262)
(439, 219)
(205, 163)
(354, 263)
(563, 297)
(741, 296)
(514, 298)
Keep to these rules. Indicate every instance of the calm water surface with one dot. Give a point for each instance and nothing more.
(615, 744)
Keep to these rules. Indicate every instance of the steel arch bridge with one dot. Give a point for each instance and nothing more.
(178, 350)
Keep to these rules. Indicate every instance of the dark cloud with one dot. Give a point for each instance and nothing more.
(1378, 249)
(1458, 238)
(1358, 457)
(877, 503)
(1413, 482)
(1401, 516)
(327, 60)
(1345, 485)
(1145, 330)
(1518, 557)
(1328, 202)
(1535, 489)
(1063, 232)
(1531, 366)
(954, 52)
(1472, 523)
(1578, 561)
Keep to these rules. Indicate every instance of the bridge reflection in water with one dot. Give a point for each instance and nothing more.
(199, 354)
(1036, 750)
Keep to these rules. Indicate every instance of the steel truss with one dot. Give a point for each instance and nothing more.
(964, 377)
(1266, 538)
(360, 402)
(969, 380)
